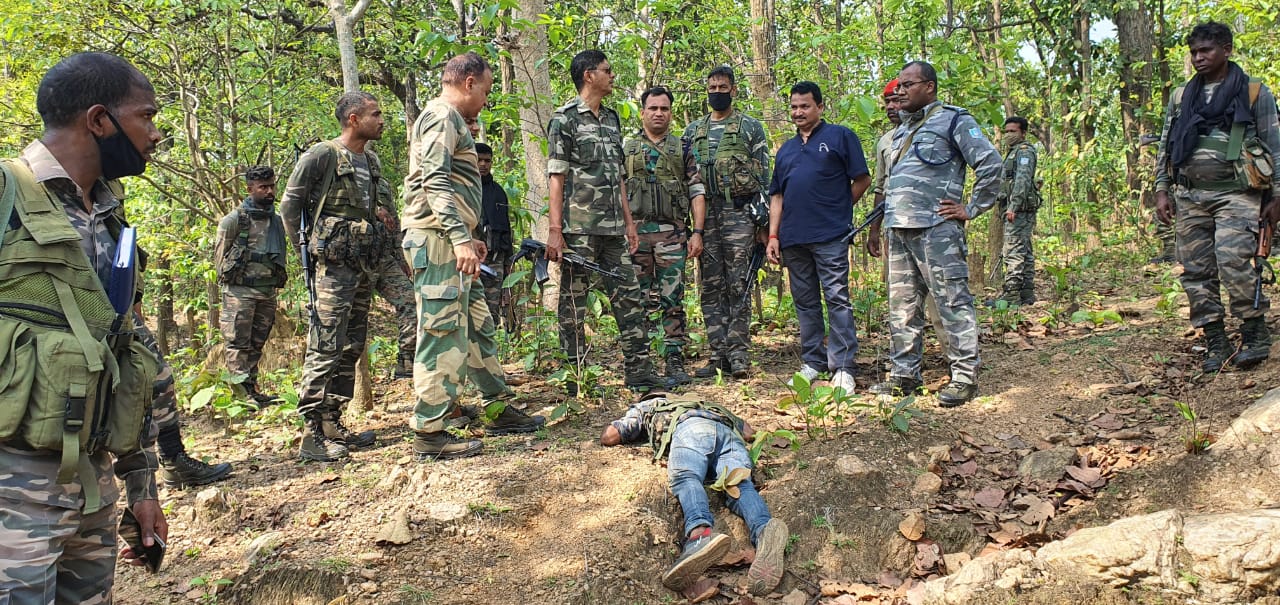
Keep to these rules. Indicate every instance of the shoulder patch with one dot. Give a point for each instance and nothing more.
(975, 132)
(1024, 161)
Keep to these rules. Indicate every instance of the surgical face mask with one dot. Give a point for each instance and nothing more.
(719, 101)
(1010, 139)
(118, 154)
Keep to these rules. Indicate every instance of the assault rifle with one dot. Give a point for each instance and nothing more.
(536, 251)
(1260, 264)
(754, 265)
(308, 264)
(876, 214)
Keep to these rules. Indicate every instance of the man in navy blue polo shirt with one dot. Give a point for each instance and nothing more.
(819, 175)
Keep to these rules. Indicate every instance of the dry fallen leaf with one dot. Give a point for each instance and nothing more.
(1040, 511)
(1089, 476)
(966, 469)
(912, 527)
(832, 588)
(928, 555)
(703, 589)
(1108, 422)
(991, 497)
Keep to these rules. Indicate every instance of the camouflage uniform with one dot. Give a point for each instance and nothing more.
(730, 234)
(1217, 224)
(51, 551)
(1018, 194)
(660, 198)
(926, 251)
(496, 219)
(442, 210)
(343, 244)
(250, 251)
(588, 151)
(391, 282)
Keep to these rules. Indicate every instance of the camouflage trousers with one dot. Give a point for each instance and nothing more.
(610, 251)
(495, 296)
(1019, 256)
(335, 337)
(723, 263)
(1217, 237)
(819, 273)
(247, 316)
(458, 337)
(934, 259)
(391, 283)
(50, 554)
(1166, 233)
(660, 262)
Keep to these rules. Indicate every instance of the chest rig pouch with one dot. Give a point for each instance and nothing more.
(344, 231)
(655, 180)
(73, 379)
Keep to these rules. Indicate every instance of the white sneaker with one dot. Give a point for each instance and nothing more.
(844, 380)
(806, 370)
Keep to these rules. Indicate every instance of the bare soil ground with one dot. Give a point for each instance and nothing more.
(555, 518)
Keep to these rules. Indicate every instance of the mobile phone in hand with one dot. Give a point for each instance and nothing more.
(131, 532)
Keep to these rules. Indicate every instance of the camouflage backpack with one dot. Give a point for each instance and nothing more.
(671, 409)
(656, 190)
(728, 168)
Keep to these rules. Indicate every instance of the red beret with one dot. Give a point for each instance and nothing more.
(892, 86)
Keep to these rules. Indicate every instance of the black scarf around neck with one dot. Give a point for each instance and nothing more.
(1230, 105)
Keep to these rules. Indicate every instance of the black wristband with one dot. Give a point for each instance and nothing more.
(699, 232)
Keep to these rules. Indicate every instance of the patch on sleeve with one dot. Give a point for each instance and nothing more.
(975, 132)
(1024, 161)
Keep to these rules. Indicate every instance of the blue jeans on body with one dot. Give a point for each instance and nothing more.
(702, 449)
(821, 271)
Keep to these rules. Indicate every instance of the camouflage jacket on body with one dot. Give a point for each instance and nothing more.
(662, 178)
(1209, 163)
(933, 168)
(587, 150)
(884, 161)
(755, 141)
(442, 190)
(352, 193)
(1018, 191)
(27, 475)
(249, 248)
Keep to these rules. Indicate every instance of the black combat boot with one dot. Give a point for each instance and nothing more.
(184, 471)
(512, 420)
(1255, 343)
(1027, 296)
(897, 386)
(335, 431)
(714, 366)
(404, 366)
(675, 368)
(316, 446)
(1215, 340)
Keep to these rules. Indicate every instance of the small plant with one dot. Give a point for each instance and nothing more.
(337, 564)
(487, 509)
(219, 392)
(413, 594)
(821, 404)
(763, 437)
(1193, 439)
(897, 416)
(1005, 317)
(583, 378)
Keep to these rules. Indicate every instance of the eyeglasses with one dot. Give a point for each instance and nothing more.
(608, 70)
(904, 86)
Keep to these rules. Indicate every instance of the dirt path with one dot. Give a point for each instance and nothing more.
(555, 518)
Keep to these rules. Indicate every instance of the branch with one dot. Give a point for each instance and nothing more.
(990, 28)
(287, 17)
(358, 11)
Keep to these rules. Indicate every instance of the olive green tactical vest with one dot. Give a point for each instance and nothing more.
(729, 170)
(660, 194)
(68, 382)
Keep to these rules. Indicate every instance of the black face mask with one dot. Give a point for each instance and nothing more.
(118, 155)
(719, 101)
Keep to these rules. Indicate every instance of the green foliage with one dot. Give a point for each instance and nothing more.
(1004, 317)
(1194, 439)
(1096, 317)
(763, 438)
(219, 394)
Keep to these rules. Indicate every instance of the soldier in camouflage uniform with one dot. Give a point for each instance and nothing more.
(391, 280)
(496, 226)
(1215, 158)
(588, 213)
(733, 158)
(664, 188)
(58, 537)
(335, 189)
(250, 251)
(1019, 200)
(441, 242)
(927, 248)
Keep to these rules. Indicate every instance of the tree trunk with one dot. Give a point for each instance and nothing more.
(528, 48)
(344, 23)
(764, 50)
(1135, 34)
(164, 307)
